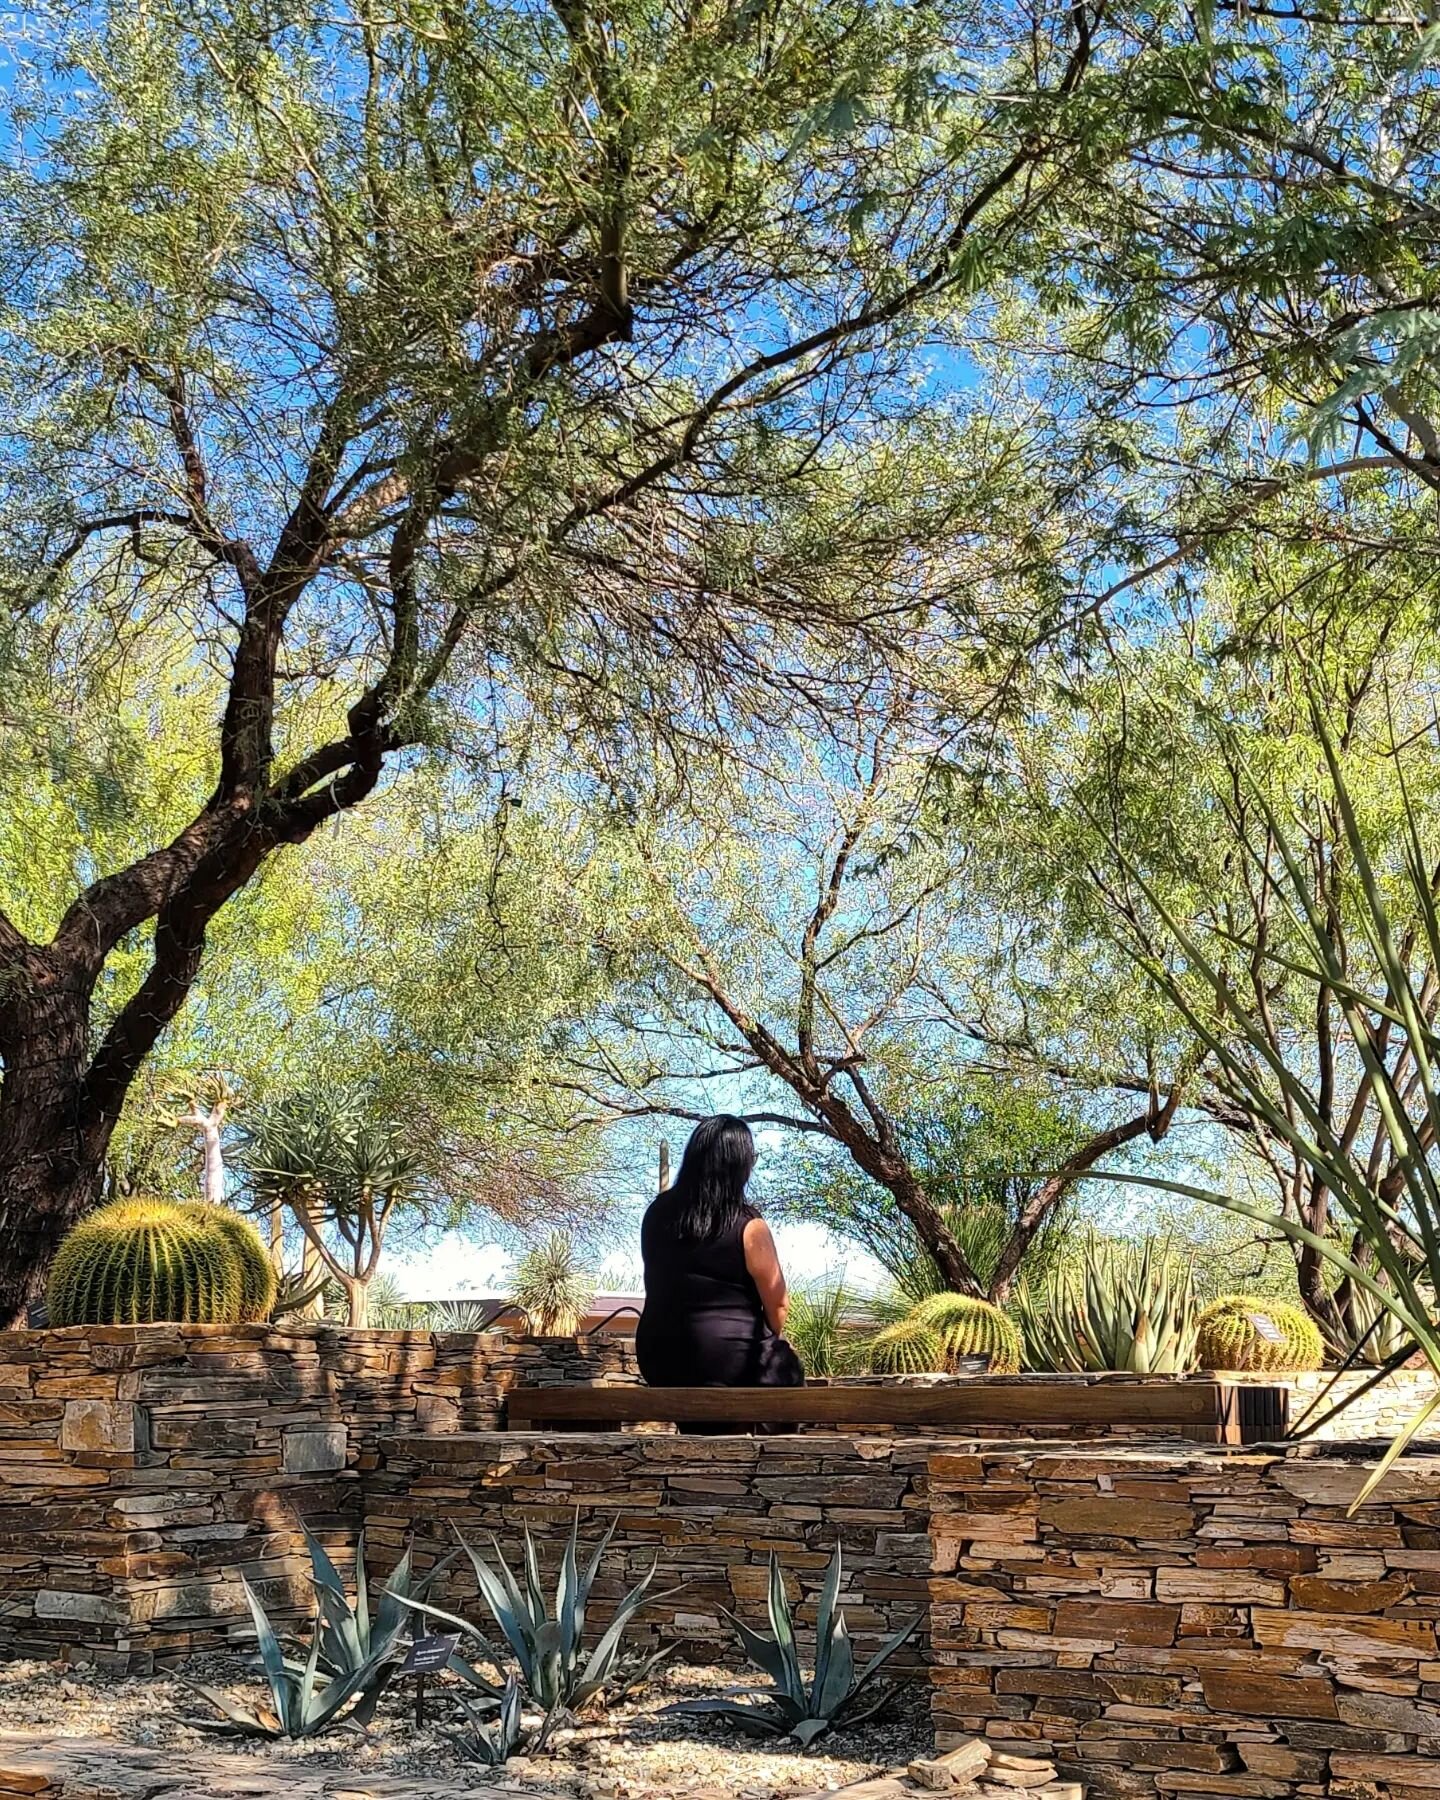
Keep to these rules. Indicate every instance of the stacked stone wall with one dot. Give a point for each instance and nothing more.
(706, 1511)
(141, 1467)
(1202, 1625)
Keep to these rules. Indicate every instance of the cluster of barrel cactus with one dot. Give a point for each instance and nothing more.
(1241, 1331)
(140, 1262)
(942, 1331)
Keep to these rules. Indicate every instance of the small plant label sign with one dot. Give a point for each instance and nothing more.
(1266, 1328)
(428, 1655)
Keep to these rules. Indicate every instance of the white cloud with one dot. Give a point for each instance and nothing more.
(451, 1267)
(809, 1252)
(454, 1265)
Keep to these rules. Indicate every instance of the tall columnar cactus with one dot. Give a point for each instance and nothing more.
(971, 1328)
(258, 1282)
(1242, 1331)
(907, 1348)
(137, 1262)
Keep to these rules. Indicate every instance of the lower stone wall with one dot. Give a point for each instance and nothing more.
(141, 1467)
(707, 1510)
(1178, 1622)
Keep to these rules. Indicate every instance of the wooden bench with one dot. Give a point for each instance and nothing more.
(1206, 1412)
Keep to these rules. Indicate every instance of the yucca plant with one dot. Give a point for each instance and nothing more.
(834, 1697)
(1128, 1308)
(1389, 1192)
(552, 1288)
(303, 1700)
(823, 1330)
(549, 1645)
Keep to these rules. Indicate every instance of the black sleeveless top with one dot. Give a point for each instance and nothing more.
(703, 1323)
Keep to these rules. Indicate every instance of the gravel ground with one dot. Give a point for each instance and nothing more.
(628, 1754)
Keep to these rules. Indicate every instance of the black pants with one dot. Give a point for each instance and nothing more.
(717, 1350)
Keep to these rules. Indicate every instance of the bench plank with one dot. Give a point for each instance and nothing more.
(1205, 1411)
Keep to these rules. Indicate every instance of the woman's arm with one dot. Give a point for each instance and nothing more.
(763, 1263)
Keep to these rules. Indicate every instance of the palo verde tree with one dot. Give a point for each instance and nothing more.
(421, 357)
(804, 933)
(1144, 819)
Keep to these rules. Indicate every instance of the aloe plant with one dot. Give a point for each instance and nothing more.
(303, 1700)
(1129, 1309)
(548, 1647)
(834, 1697)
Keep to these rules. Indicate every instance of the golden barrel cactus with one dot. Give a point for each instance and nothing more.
(1247, 1331)
(258, 1282)
(140, 1262)
(907, 1348)
(971, 1328)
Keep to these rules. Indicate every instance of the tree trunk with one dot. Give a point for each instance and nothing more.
(213, 1175)
(312, 1274)
(52, 1157)
(357, 1295)
(277, 1236)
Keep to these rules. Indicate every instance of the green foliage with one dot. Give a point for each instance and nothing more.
(1233, 1335)
(258, 1281)
(456, 1315)
(973, 1153)
(1362, 955)
(1367, 1330)
(968, 1327)
(823, 1327)
(1127, 1307)
(908, 1347)
(835, 1697)
(548, 1642)
(137, 1262)
(342, 1172)
(552, 1288)
(303, 1701)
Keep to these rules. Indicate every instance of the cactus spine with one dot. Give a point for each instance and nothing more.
(971, 1328)
(1230, 1337)
(138, 1262)
(907, 1348)
(258, 1282)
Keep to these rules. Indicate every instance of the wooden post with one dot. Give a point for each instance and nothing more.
(664, 1164)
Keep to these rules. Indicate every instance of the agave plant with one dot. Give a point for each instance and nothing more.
(303, 1700)
(350, 1635)
(1132, 1309)
(557, 1672)
(835, 1696)
(492, 1742)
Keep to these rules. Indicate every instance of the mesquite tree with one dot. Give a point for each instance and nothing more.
(423, 357)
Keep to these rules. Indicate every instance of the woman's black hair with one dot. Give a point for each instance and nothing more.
(709, 1192)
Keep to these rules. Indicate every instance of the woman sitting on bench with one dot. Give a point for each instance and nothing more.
(715, 1298)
